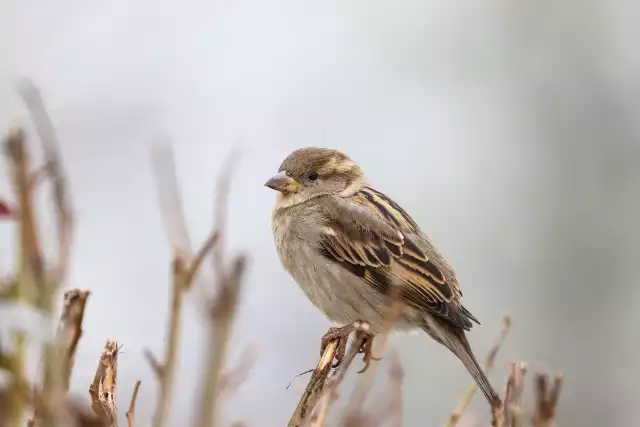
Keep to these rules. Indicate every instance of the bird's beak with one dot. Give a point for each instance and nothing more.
(283, 183)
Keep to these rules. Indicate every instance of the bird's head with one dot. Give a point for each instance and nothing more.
(310, 172)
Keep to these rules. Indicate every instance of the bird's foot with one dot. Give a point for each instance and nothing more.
(341, 335)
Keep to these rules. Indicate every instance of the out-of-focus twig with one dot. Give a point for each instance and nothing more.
(513, 415)
(132, 405)
(232, 379)
(55, 171)
(222, 316)
(37, 283)
(546, 401)
(103, 388)
(365, 380)
(455, 415)
(183, 273)
(222, 310)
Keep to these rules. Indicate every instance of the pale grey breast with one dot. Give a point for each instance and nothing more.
(340, 295)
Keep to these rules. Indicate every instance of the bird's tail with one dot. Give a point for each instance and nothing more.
(457, 342)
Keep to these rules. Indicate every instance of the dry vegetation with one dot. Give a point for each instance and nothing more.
(37, 282)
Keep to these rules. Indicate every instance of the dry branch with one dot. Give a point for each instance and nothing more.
(513, 411)
(183, 273)
(103, 388)
(54, 170)
(222, 311)
(321, 389)
(132, 405)
(70, 328)
(222, 316)
(314, 388)
(488, 366)
(546, 401)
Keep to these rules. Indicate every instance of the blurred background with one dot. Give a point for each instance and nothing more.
(509, 130)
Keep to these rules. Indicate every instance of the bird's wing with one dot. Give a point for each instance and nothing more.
(371, 236)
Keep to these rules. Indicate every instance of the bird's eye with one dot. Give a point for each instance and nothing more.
(313, 176)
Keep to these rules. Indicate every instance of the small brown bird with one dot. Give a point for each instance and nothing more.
(349, 247)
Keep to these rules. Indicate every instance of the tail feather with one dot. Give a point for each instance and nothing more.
(457, 342)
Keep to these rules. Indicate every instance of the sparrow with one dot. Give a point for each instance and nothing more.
(351, 249)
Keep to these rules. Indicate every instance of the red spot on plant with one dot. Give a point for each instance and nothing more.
(5, 211)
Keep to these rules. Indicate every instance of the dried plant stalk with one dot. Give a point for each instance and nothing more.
(365, 380)
(37, 283)
(222, 310)
(513, 412)
(546, 401)
(54, 170)
(70, 328)
(314, 388)
(103, 388)
(183, 273)
(132, 405)
(222, 316)
(319, 383)
(455, 415)
(329, 394)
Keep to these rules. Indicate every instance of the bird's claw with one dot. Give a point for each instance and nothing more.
(341, 335)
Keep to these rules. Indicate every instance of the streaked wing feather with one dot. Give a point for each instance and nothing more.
(372, 236)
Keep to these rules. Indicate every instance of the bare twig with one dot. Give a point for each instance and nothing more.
(61, 197)
(513, 413)
(488, 366)
(365, 380)
(222, 316)
(155, 365)
(233, 379)
(314, 388)
(183, 272)
(319, 413)
(132, 405)
(222, 309)
(103, 388)
(319, 384)
(70, 328)
(546, 401)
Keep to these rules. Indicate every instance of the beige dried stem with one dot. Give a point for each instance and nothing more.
(513, 415)
(315, 386)
(54, 170)
(222, 316)
(546, 401)
(37, 283)
(365, 380)
(320, 412)
(103, 388)
(457, 412)
(70, 328)
(132, 405)
(222, 310)
(318, 384)
(184, 269)
(29, 283)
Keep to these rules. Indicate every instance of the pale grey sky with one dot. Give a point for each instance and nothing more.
(440, 103)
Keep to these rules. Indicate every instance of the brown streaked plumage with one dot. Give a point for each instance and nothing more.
(348, 246)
